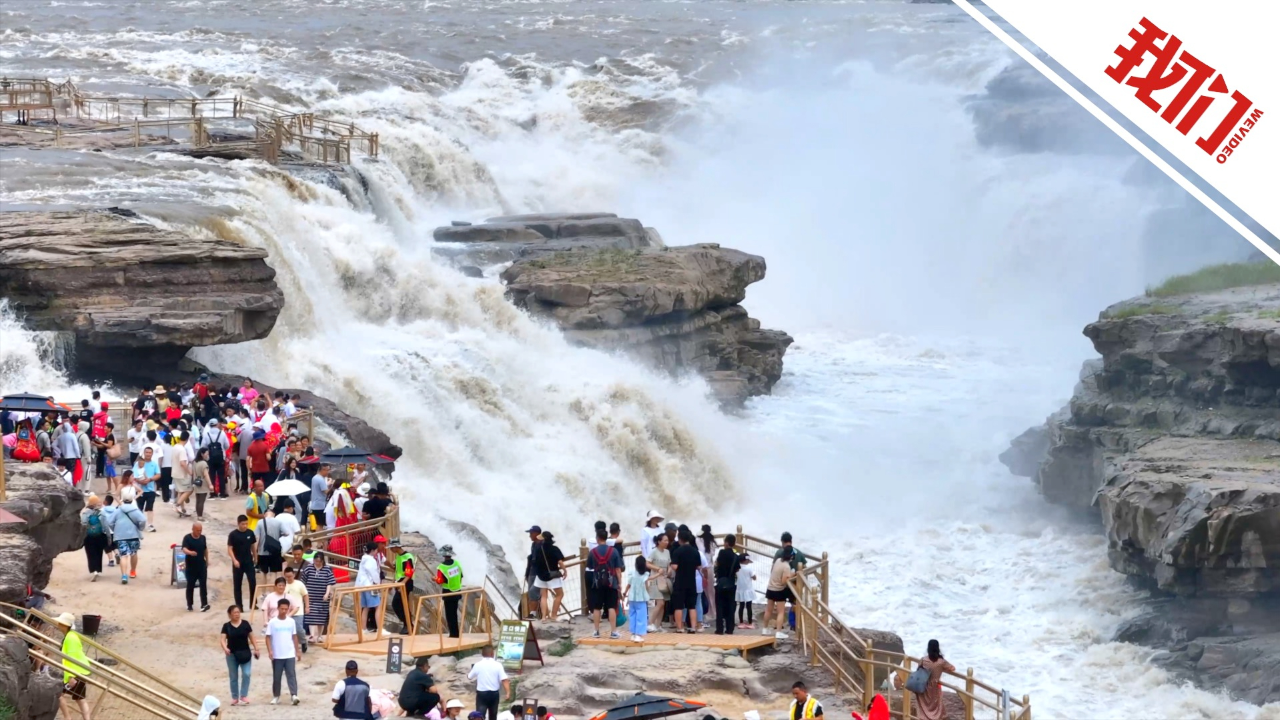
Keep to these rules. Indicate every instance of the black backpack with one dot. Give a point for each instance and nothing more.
(602, 574)
(216, 455)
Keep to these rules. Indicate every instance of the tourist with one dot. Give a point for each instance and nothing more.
(282, 648)
(297, 559)
(182, 459)
(217, 448)
(168, 453)
(378, 505)
(259, 458)
(803, 705)
(403, 573)
(778, 594)
(453, 709)
(196, 548)
(652, 529)
(490, 676)
(369, 575)
(289, 527)
(929, 704)
(351, 696)
(244, 438)
(615, 537)
(548, 567)
(746, 593)
(66, 448)
(247, 392)
(659, 562)
(136, 436)
(706, 551)
(798, 560)
(319, 579)
(637, 592)
(111, 450)
(126, 529)
(532, 592)
(97, 536)
(299, 599)
(419, 695)
(449, 578)
(271, 601)
(75, 668)
(257, 504)
(109, 510)
(685, 567)
(201, 481)
(605, 563)
(270, 545)
(289, 470)
(242, 548)
(725, 584)
(146, 472)
(319, 495)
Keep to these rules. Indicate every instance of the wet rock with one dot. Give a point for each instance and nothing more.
(500, 570)
(51, 508)
(676, 308)
(32, 697)
(130, 292)
(507, 238)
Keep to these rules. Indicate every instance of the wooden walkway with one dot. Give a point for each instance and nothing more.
(415, 646)
(743, 642)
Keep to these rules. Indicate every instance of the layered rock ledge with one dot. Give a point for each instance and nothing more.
(609, 283)
(129, 291)
(1173, 438)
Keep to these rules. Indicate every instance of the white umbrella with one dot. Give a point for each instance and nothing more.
(288, 486)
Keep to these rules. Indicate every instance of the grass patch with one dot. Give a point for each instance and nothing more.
(606, 260)
(1218, 318)
(1218, 277)
(7, 711)
(561, 647)
(1137, 310)
(1269, 314)
(506, 704)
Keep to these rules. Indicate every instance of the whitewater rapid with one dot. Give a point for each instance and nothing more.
(935, 288)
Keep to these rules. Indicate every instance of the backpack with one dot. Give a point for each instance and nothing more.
(602, 575)
(95, 525)
(216, 453)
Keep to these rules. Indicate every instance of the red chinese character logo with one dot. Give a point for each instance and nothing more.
(1165, 73)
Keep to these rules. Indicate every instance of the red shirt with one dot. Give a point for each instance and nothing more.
(259, 455)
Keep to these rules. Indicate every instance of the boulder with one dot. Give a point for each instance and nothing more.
(677, 308)
(51, 508)
(130, 292)
(507, 238)
(31, 696)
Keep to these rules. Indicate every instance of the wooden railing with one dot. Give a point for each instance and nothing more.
(116, 678)
(384, 591)
(316, 138)
(475, 616)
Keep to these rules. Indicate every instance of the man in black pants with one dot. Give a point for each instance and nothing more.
(489, 676)
(726, 568)
(242, 546)
(195, 547)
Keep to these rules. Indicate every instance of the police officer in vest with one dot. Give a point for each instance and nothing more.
(803, 705)
(404, 572)
(449, 578)
(351, 696)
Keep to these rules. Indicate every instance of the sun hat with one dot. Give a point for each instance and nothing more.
(363, 489)
(446, 550)
(160, 389)
(454, 703)
(67, 619)
(654, 514)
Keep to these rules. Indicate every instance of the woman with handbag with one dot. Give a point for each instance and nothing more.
(659, 579)
(237, 639)
(929, 705)
(548, 566)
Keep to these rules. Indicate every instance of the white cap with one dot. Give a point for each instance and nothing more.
(454, 703)
(364, 488)
(128, 495)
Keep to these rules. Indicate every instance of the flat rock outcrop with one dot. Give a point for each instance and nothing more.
(129, 291)
(51, 508)
(609, 283)
(1173, 438)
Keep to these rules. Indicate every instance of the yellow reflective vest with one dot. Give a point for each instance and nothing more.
(811, 707)
(73, 648)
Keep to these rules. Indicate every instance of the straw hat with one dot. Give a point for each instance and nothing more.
(159, 389)
(66, 619)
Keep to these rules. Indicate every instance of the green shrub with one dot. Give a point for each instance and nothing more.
(1218, 277)
(561, 647)
(1218, 318)
(1137, 310)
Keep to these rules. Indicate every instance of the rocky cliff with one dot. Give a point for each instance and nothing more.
(130, 292)
(1173, 438)
(609, 283)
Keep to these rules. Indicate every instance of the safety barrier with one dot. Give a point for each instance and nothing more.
(475, 617)
(384, 591)
(118, 679)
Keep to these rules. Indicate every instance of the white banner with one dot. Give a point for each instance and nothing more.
(1193, 75)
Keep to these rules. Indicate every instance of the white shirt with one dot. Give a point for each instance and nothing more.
(175, 457)
(95, 406)
(368, 573)
(135, 440)
(488, 674)
(289, 409)
(289, 527)
(280, 634)
(647, 534)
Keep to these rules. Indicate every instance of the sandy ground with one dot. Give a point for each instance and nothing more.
(147, 622)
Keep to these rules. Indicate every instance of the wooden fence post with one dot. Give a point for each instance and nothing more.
(137, 132)
(868, 675)
(906, 694)
(968, 700)
(582, 576)
(742, 539)
(1026, 708)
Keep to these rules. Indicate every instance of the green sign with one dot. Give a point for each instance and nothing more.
(517, 643)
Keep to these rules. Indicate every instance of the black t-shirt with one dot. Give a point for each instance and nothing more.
(687, 561)
(146, 403)
(727, 564)
(199, 545)
(376, 507)
(415, 689)
(237, 637)
(241, 544)
(545, 559)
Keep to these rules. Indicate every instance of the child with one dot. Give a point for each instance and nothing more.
(637, 592)
(746, 594)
